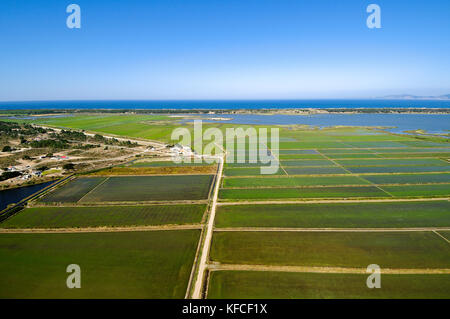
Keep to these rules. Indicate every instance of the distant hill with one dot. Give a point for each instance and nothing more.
(415, 97)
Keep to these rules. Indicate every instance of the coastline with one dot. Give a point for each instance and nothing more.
(200, 111)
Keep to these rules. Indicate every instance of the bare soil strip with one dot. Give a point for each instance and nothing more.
(281, 229)
(333, 201)
(97, 229)
(340, 270)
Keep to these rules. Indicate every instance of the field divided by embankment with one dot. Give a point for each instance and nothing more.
(341, 199)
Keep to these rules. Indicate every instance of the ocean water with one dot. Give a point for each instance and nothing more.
(223, 104)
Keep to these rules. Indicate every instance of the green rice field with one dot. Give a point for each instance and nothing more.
(285, 285)
(342, 197)
(151, 188)
(332, 249)
(302, 163)
(74, 190)
(302, 193)
(56, 217)
(152, 264)
(249, 171)
(337, 215)
(315, 170)
(398, 169)
(431, 190)
(408, 178)
(293, 181)
(391, 161)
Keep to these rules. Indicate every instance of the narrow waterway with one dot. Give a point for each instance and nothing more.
(15, 195)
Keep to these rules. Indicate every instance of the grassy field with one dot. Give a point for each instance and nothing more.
(336, 215)
(152, 188)
(154, 264)
(332, 249)
(55, 217)
(74, 190)
(301, 193)
(284, 285)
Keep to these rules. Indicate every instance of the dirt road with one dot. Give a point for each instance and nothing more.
(311, 269)
(198, 291)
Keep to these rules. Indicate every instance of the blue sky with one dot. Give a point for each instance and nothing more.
(222, 49)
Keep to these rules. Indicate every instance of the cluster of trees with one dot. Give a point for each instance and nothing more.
(61, 140)
(9, 129)
(113, 141)
(8, 175)
(54, 144)
(70, 135)
(15, 130)
(85, 146)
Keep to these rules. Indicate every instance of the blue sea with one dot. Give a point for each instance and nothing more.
(223, 104)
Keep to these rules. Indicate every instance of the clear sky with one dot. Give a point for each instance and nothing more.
(222, 49)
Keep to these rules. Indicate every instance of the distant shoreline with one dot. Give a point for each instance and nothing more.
(262, 111)
(226, 105)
